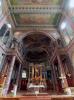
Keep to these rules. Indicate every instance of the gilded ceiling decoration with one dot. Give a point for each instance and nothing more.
(37, 14)
(53, 2)
(35, 19)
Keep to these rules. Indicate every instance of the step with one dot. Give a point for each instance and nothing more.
(72, 90)
(55, 97)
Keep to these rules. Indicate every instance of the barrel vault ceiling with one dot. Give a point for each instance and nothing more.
(35, 14)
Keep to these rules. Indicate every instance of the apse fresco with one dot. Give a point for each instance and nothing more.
(39, 19)
(54, 2)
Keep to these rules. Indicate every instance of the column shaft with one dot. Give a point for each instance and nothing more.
(8, 79)
(18, 75)
(17, 81)
(55, 83)
(62, 74)
(32, 72)
(29, 75)
(41, 73)
(62, 77)
(4, 35)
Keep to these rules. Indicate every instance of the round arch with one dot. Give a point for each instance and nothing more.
(23, 35)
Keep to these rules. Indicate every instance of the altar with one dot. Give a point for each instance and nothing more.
(37, 81)
(36, 88)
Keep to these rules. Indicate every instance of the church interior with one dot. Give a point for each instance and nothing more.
(36, 49)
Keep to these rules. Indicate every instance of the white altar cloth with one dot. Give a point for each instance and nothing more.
(36, 86)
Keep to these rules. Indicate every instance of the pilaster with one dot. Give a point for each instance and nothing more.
(62, 77)
(8, 78)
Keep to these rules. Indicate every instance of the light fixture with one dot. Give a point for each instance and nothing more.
(9, 25)
(63, 25)
(71, 4)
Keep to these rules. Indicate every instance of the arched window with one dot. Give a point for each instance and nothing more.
(6, 37)
(67, 32)
(2, 31)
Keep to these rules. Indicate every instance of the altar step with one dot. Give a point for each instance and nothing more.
(37, 98)
(48, 97)
(72, 90)
(28, 93)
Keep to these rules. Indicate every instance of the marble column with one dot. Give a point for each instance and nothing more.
(32, 72)
(29, 79)
(55, 83)
(62, 77)
(3, 65)
(4, 35)
(41, 73)
(17, 80)
(20, 78)
(8, 78)
(35, 71)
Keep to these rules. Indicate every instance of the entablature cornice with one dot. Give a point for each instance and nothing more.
(39, 9)
(12, 52)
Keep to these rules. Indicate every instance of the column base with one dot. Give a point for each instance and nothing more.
(67, 91)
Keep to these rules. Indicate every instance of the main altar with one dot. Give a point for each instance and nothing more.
(37, 79)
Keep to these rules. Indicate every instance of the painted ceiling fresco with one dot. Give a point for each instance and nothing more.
(53, 2)
(36, 19)
(35, 12)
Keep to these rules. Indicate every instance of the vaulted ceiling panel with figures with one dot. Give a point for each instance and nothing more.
(35, 14)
